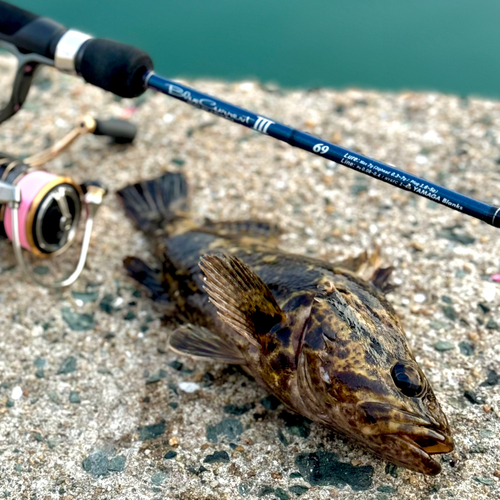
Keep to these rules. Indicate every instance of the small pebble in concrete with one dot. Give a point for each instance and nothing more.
(238, 409)
(458, 237)
(52, 442)
(40, 362)
(77, 322)
(444, 345)
(492, 379)
(244, 489)
(392, 470)
(176, 365)
(485, 480)
(449, 312)
(298, 489)
(106, 303)
(485, 308)
(466, 348)
(17, 393)
(84, 297)
(231, 428)
(386, 489)
(67, 366)
(265, 490)
(98, 464)
(41, 270)
(74, 397)
(217, 457)
(159, 478)
(473, 398)
(54, 397)
(117, 464)
(156, 377)
(151, 431)
(189, 386)
(283, 440)
(129, 316)
(492, 324)
(281, 494)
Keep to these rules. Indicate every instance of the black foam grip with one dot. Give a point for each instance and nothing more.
(121, 131)
(13, 18)
(29, 32)
(113, 66)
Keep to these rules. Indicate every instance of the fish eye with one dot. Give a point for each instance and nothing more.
(407, 379)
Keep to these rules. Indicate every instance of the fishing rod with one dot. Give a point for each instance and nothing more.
(128, 72)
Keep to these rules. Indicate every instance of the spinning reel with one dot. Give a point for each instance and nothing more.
(40, 211)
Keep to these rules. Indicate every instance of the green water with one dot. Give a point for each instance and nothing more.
(452, 46)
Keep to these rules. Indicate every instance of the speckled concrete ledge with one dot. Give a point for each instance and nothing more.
(91, 405)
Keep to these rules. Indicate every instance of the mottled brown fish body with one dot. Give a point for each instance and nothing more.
(324, 341)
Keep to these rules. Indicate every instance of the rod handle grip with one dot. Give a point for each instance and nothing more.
(110, 65)
(28, 32)
(113, 66)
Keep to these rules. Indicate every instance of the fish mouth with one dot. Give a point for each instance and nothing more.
(431, 445)
(406, 439)
(415, 452)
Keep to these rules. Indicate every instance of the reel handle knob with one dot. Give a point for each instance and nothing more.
(121, 131)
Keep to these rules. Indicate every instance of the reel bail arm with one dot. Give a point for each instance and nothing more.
(121, 131)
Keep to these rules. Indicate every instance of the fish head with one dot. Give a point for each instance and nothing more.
(337, 354)
(356, 373)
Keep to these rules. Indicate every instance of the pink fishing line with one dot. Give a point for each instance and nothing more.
(30, 185)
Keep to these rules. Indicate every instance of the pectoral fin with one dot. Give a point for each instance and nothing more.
(242, 299)
(363, 264)
(381, 277)
(369, 267)
(199, 342)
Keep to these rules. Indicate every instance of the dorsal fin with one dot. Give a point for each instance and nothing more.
(200, 342)
(253, 228)
(242, 299)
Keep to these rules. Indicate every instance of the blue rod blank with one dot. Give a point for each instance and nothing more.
(403, 180)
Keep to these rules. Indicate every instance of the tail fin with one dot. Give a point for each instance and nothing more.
(151, 204)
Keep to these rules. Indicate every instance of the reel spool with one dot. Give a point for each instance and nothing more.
(41, 212)
(49, 211)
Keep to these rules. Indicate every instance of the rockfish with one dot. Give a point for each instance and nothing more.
(322, 339)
